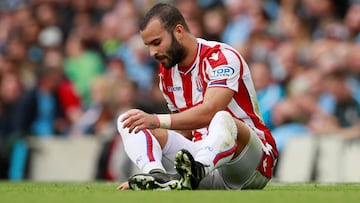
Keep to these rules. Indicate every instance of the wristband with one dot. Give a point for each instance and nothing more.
(164, 120)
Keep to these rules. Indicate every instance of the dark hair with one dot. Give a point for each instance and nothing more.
(169, 15)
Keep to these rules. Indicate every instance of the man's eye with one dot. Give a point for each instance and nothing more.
(157, 42)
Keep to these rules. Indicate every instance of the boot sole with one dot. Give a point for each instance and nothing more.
(147, 182)
(183, 167)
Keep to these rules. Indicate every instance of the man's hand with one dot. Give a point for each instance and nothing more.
(138, 120)
(123, 186)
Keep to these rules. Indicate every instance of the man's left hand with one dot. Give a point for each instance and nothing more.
(138, 120)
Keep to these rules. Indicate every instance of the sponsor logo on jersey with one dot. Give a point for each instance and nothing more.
(173, 89)
(222, 72)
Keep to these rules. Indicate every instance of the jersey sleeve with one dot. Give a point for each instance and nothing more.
(225, 73)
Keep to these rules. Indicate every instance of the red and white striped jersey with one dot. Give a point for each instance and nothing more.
(216, 65)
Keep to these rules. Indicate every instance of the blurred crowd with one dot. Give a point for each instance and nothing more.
(69, 68)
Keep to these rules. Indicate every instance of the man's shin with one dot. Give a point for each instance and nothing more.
(142, 148)
(220, 145)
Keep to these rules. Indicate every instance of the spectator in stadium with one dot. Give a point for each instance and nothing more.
(192, 13)
(321, 12)
(108, 34)
(352, 59)
(291, 116)
(10, 93)
(69, 100)
(269, 92)
(215, 137)
(82, 64)
(352, 19)
(139, 68)
(132, 52)
(345, 119)
(239, 19)
(284, 65)
(215, 20)
(40, 112)
(95, 120)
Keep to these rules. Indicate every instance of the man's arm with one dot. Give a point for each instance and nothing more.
(215, 99)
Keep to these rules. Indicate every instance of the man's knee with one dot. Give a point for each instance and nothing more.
(222, 114)
(224, 120)
(122, 131)
(239, 130)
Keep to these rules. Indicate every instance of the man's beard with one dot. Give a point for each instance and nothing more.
(176, 53)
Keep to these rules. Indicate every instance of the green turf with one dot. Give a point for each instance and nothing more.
(105, 192)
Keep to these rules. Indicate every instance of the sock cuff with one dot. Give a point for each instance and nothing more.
(154, 165)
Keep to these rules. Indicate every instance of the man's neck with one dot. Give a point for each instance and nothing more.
(191, 46)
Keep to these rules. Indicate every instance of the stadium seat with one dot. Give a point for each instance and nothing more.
(61, 159)
(329, 159)
(350, 165)
(297, 159)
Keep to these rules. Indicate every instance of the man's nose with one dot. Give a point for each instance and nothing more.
(153, 51)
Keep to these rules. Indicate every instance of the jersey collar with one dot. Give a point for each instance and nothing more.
(189, 68)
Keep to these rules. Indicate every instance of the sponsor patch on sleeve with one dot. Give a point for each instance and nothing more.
(222, 72)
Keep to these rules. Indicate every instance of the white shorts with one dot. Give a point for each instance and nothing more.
(240, 173)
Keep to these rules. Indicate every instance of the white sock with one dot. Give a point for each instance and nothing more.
(219, 146)
(142, 148)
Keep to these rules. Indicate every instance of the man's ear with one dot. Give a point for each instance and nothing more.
(179, 31)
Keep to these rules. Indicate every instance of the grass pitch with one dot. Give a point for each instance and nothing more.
(104, 192)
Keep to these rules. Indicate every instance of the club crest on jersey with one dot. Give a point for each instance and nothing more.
(199, 86)
(214, 56)
(222, 72)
